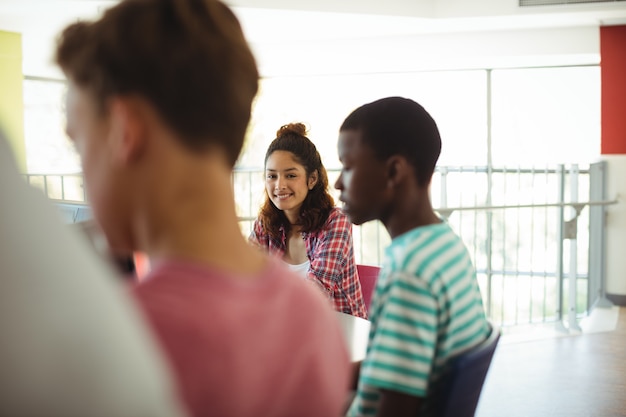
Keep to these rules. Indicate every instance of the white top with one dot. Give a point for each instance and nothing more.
(300, 269)
(72, 343)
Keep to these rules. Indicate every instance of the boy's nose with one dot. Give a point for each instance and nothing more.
(338, 185)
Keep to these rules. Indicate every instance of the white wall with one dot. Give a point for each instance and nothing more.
(532, 47)
(40, 22)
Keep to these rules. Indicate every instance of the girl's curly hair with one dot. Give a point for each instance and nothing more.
(318, 202)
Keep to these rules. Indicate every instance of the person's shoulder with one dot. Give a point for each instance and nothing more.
(258, 222)
(415, 240)
(410, 251)
(301, 294)
(337, 213)
(308, 305)
(337, 218)
(180, 277)
(305, 301)
(257, 227)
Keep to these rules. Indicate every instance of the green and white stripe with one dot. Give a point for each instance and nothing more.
(427, 309)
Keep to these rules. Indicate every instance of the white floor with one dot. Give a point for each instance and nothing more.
(600, 320)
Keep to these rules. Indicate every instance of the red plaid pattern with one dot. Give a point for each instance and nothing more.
(331, 254)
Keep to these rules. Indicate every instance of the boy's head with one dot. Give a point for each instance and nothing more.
(379, 142)
(148, 70)
(187, 58)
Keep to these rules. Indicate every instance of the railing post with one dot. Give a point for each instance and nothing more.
(82, 186)
(45, 186)
(559, 248)
(443, 192)
(489, 242)
(489, 248)
(573, 250)
(597, 238)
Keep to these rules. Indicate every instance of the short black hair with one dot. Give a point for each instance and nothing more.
(399, 126)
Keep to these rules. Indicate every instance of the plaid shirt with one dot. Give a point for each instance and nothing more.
(331, 255)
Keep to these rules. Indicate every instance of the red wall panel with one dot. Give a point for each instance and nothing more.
(613, 70)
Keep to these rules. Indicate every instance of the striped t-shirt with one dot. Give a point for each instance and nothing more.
(427, 309)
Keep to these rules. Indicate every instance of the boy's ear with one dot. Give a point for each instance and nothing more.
(398, 169)
(313, 178)
(128, 128)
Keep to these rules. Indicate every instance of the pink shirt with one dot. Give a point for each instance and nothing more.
(267, 346)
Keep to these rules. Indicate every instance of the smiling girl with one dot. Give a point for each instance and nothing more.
(299, 222)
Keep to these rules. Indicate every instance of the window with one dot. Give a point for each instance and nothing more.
(546, 115)
(48, 151)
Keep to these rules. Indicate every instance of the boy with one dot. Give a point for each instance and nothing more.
(159, 100)
(427, 307)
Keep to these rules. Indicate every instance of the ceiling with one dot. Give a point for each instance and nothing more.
(287, 22)
(274, 20)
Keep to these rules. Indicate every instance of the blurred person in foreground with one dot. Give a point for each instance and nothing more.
(73, 343)
(159, 99)
(427, 308)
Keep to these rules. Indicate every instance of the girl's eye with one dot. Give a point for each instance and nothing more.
(291, 176)
(271, 176)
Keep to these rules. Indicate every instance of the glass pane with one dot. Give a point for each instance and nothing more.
(546, 115)
(455, 99)
(48, 149)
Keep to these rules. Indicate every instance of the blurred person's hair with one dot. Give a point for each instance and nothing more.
(318, 202)
(188, 58)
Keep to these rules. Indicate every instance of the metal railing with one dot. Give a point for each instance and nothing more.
(535, 234)
(62, 187)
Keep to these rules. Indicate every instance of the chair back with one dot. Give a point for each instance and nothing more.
(368, 275)
(459, 391)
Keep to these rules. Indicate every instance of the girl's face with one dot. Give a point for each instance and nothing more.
(286, 183)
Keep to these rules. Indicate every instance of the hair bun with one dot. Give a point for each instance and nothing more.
(297, 128)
